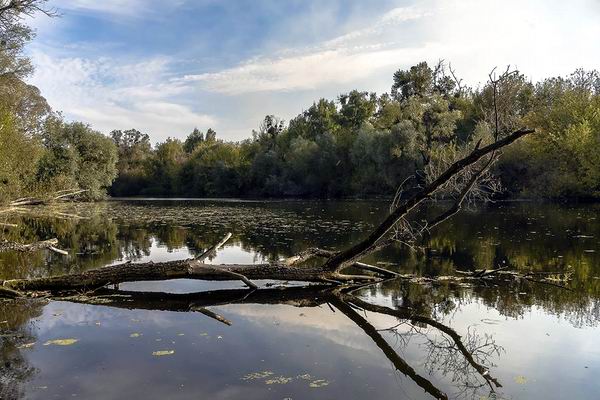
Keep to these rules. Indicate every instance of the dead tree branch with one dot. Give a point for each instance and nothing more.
(49, 244)
(56, 197)
(399, 363)
(359, 250)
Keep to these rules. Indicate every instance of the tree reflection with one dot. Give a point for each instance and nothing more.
(15, 334)
(466, 361)
(522, 236)
(526, 237)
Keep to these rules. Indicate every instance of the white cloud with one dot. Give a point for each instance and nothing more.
(109, 95)
(303, 72)
(401, 14)
(346, 58)
(128, 8)
(542, 38)
(388, 20)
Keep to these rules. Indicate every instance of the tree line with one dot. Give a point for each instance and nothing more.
(359, 144)
(364, 144)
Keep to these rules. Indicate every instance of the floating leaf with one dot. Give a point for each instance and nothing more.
(521, 380)
(257, 375)
(163, 352)
(318, 383)
(135, 334)
(279, 380)
(61, 342)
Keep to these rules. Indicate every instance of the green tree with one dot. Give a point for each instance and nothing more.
(211, 135)
(164, 168)
(77, 157)
(134, 150)
(562, 158)
(19, 156)
(193, 140)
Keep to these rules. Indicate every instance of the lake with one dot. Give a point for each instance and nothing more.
(538, 341)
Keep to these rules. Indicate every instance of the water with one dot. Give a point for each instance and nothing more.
(539, 341)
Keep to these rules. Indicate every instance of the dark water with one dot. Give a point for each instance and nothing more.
(539, 341)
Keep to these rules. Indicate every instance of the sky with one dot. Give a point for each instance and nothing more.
(166, 67)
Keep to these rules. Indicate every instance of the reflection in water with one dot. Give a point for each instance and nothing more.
(16, 334)
(519, 332)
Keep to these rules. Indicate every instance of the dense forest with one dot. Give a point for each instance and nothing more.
(365, 144)
(360, 144)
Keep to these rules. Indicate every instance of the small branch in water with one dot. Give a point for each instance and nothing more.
(307, 255)
(197, 263)
(242, 278)
(49, 244)
(384, 272)
(213, 249)
(211, 314)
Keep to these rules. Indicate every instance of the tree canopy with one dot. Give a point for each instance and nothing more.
(364, 144)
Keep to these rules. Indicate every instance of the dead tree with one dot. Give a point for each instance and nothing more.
(329, 270)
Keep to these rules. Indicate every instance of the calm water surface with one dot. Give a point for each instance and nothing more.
(540, 342)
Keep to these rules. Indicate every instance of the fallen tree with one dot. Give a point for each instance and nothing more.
(333, 263)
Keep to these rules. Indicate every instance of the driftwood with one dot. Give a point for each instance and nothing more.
(49, 244)
(57, 196)
(329, 270)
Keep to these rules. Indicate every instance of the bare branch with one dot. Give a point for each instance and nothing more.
(210, 314)
(354, 253)
(211, 250)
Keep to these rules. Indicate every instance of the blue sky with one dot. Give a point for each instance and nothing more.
(165, 67)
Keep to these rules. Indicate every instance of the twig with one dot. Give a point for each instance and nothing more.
(211, 314)
(214, 248)
(368, 267)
